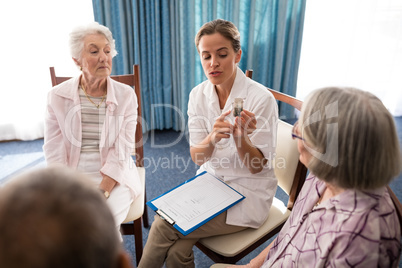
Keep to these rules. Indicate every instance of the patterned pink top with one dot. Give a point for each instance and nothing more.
(352, 229)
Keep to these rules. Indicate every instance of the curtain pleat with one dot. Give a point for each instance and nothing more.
(159, 35)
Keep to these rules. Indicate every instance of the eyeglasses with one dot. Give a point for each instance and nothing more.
(294, 135)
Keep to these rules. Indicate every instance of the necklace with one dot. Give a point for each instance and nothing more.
(96, 105)
(318, 201)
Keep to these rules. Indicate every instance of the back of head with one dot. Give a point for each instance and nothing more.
(352, 138)
(50, 218)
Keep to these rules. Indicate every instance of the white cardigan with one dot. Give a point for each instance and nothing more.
(63, 131)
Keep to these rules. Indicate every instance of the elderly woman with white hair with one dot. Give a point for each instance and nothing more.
(343, 216)
(91, 119)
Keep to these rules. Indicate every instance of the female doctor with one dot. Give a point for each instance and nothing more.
(237, 149)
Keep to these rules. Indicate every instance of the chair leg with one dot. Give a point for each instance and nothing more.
(145, 215)
(138, 239)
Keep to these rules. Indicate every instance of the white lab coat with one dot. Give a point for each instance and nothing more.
(259, 189)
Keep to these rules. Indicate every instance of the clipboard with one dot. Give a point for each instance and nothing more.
(195, 202)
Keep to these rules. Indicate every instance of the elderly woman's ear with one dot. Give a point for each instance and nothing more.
(77, 62)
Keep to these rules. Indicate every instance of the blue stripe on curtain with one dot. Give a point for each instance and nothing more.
(159, 35)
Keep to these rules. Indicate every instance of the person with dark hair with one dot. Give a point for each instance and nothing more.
(53, 218)
(232, 125)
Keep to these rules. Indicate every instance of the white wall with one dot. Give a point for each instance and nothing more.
(353, 43)
(34, 37)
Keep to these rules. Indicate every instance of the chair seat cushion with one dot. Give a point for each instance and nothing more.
(220, 265)
(137, 207)
(231, 244)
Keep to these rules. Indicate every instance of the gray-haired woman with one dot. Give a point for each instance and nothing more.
(343, 216)
(91, 119)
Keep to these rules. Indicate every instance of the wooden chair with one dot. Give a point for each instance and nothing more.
(132, 225)
(398, 207)
(231, 248)
(397, 204)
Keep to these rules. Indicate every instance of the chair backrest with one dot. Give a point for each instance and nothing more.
(132, 80)
(397, 204)
(289, 171)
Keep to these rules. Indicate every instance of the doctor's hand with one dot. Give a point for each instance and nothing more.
(222, 128)
(245, 124)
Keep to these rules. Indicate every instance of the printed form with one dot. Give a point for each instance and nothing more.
(196, 201)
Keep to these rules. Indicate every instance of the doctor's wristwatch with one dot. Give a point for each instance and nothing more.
(105, 193)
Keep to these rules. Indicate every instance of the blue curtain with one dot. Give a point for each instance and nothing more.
(159, 35)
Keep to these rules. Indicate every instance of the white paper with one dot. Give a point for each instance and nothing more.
(196, 201)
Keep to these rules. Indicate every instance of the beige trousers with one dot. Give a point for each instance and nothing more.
(167, 245)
